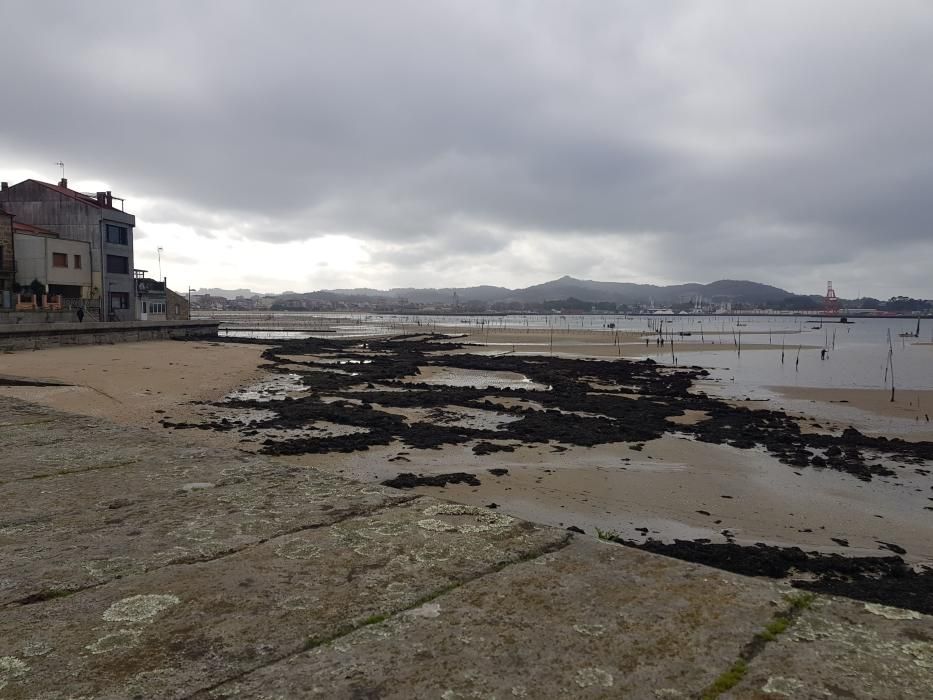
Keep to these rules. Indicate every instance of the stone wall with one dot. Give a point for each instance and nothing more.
(43, 335)
(32, 318)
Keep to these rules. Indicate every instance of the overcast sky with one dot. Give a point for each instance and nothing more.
(304, 145)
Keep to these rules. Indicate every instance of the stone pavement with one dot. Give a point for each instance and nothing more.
(133, 564)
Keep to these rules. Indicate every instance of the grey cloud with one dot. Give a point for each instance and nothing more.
(440, 132)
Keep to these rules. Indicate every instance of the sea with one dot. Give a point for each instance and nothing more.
(746, 354)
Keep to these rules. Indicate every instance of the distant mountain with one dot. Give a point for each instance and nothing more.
(569, 287)
(484, 293)
(631, 293)
(228, 293)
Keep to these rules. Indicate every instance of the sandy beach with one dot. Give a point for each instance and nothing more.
(132, 383)
(670, 487)
(910, 415)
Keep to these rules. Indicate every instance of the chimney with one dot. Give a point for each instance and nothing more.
(4, 186)
(63, 183)
(101, 197)
(109, 200)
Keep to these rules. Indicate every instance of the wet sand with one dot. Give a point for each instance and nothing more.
(910, 415)
(672, 487)
(664, 487)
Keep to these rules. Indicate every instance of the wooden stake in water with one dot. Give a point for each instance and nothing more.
(891, 363)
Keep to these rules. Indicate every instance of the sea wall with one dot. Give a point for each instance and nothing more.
(35, 336)
(8, 316)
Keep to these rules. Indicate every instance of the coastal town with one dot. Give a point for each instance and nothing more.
(68, 255)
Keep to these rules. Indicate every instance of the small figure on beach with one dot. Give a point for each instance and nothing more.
(823, 354)
(80, 314)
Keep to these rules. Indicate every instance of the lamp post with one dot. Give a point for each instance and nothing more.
(189, 302)
(111, 315)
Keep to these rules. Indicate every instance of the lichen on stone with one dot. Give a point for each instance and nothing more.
(431, 553)
(427, 610)
(139, 608)
(890, 613)
(788, 687)
(36, 648)
(11, 669)
(299, 602)
(115, 641)
(297, 548)
(589, 677)
(922, 653)
(108, 568)
(594, 630)
(485, 520)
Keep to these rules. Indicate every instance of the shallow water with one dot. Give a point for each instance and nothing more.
(451, 376)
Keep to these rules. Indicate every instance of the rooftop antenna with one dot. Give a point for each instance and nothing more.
(159, 253)
(62, 166)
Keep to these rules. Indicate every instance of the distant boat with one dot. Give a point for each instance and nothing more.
(915, 334)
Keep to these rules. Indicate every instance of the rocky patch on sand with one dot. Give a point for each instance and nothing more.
(888, 580)
(642, 398)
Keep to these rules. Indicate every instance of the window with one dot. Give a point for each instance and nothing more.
(119, 300)
(77, 264)
(117, 234)
(118, 264)
(59, 260)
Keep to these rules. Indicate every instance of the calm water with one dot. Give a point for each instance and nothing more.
(856, 353)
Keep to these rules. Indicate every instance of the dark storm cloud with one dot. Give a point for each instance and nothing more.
(725, 139)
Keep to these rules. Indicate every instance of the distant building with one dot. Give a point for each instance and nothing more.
(265, 302)
(156, 302)
(7, 267)
(176, 306)
(92, 219)
(150, 297)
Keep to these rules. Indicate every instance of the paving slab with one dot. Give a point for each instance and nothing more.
(842, 648)
(593, 620)
(149, 476)
(41, 443)
(183, 628)
(117, 536)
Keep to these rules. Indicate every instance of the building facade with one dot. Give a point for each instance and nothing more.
(150, 298)
(63, 267)
(92, 219)
(7, 265)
